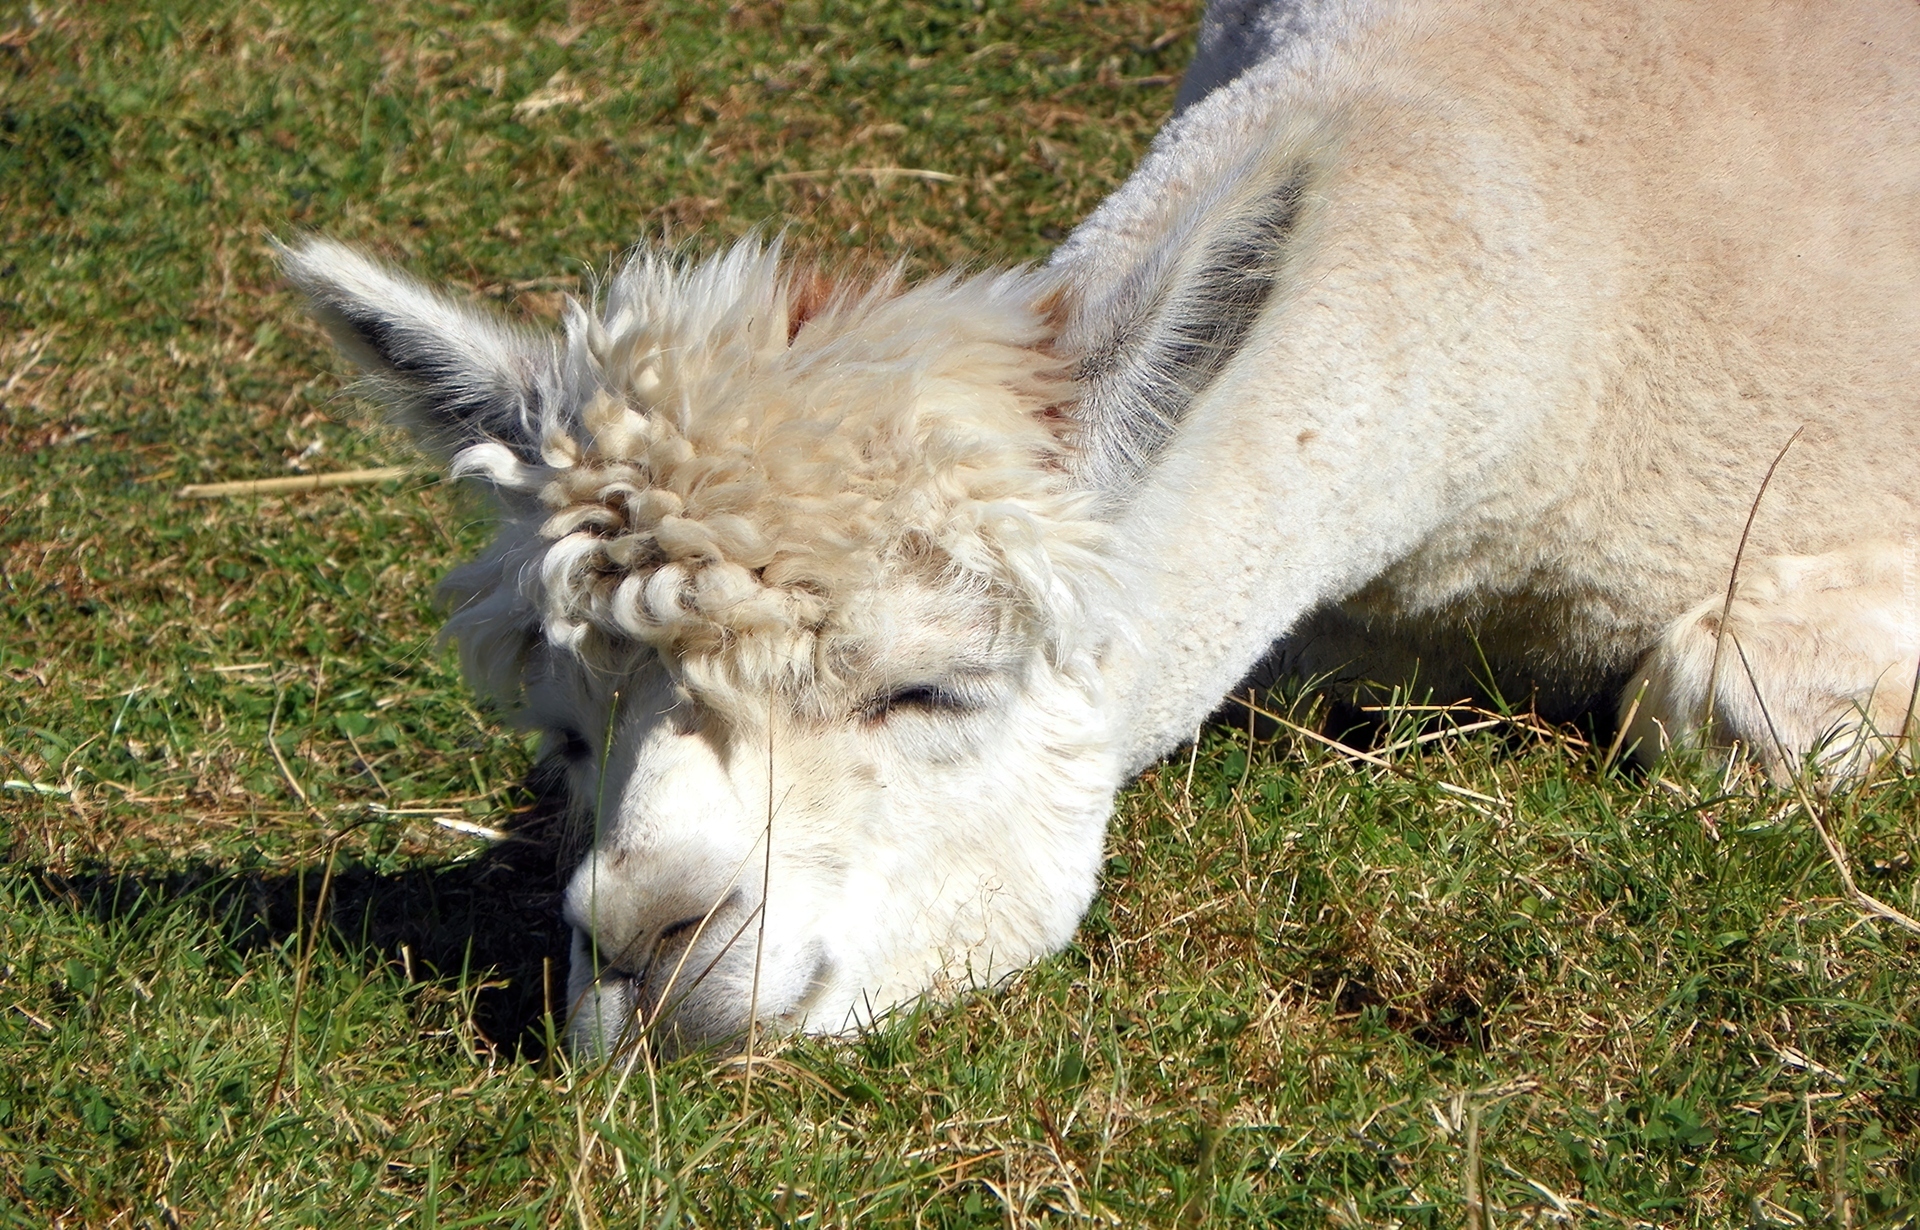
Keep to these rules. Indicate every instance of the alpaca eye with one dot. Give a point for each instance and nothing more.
(920, 697)
(673, 931)
(572, 745)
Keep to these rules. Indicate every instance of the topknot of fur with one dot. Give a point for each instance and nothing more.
(736, 463)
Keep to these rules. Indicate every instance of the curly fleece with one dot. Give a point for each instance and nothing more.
(749, 455)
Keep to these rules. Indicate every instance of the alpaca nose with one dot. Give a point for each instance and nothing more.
(631, 908)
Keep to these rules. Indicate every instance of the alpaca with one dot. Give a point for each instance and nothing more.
(1428, 335)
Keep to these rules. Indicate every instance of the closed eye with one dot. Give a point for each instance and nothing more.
(571, 745)
(928, 698)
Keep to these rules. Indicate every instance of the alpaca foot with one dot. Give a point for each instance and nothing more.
(1822, 659)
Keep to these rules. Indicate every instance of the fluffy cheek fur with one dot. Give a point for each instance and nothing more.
(909, 852)
(982, 852)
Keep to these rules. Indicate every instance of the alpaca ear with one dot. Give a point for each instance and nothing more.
(453, 375)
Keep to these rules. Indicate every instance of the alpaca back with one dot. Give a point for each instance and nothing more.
(1718, 205)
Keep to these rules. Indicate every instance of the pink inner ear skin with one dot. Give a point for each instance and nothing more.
(808, 293)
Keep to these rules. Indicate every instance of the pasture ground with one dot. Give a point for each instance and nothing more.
(1497, 982)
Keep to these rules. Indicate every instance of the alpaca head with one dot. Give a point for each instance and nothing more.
(797, 584)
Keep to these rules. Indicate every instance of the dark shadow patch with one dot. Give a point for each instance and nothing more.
(58, 150)
(1451, 1012)
(490, 922)
(1353, 702)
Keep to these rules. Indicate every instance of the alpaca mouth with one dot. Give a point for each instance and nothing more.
(699, 979)
(685, 1000)
(814, 988)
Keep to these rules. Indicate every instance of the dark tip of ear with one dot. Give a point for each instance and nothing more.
(453, 374)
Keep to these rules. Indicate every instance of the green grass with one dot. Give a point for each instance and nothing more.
(1313, 991)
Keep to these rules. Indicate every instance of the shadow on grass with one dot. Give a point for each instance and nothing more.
(489, 923)
(1360, 706)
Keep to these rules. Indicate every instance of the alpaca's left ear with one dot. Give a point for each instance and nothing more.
(453, 375)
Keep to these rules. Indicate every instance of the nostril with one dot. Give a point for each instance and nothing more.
(632, 916)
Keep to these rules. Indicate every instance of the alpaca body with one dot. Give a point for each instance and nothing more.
(1558, 286)
(1430, 339)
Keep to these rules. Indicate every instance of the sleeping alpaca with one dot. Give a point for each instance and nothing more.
(1428, 336)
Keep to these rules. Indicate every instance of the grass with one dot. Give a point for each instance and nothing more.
(1314, 991)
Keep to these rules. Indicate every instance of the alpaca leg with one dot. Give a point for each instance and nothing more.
(1822, 657)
